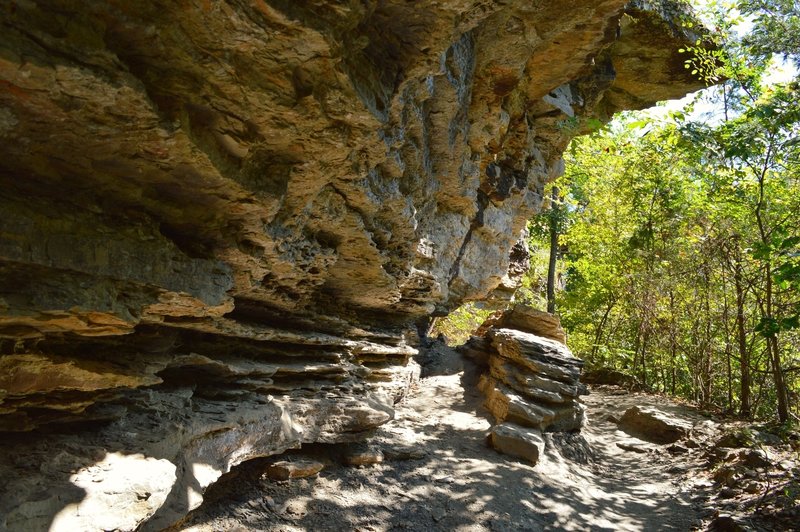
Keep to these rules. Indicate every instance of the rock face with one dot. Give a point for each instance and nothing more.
(532, 382)
(222, 222)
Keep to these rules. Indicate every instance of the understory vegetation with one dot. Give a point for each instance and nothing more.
(678, 230)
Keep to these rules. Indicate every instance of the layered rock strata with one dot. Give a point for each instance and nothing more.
(532, 382)
(224, 222)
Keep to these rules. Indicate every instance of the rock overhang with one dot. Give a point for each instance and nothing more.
(236, 203)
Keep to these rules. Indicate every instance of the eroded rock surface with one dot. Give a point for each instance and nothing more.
(222, 222)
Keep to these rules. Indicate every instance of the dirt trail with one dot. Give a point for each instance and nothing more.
(440, 475)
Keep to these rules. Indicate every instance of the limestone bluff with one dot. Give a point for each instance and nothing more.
(223, 221)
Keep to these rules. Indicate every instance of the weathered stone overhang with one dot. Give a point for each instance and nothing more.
(222, 220)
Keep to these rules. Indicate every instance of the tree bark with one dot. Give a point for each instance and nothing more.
(551, 267)
(598, 336)
(745, 409)
(772, 337)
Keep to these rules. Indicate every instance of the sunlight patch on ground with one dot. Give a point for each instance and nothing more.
(120, 490)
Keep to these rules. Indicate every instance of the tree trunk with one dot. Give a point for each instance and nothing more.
(775, 356)
(728, 346)
(551, 267)
(644, 357)
(745, 410)
(768, 314)
(598, 336)
(673, 347)
(780, 382)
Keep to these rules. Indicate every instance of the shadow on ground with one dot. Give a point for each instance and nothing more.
(585, 482)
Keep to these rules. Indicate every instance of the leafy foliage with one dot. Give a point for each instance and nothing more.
(681, 244)
(461, 323)
(679, 240)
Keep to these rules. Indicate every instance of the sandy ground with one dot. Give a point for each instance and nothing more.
(438, 474)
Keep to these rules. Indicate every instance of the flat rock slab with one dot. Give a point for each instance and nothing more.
(527, 319)
(634, 447)
(363, 457)
(284, 470)
(514, 440)
(404, 453)
(508, 406)
(537, 354)
(653, 425)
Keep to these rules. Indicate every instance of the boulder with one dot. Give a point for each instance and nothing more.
(119, 491)
(517, 441)
(610, 376)
(755, 458)
(531, 380)
(653, 425)
(531, 411)
(537, 355)
(734, 438)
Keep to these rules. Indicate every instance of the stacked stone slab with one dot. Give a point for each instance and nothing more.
(532, 380)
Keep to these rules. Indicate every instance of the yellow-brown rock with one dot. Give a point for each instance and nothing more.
(526, 319)
(287, 469)
(22, 374)
(223, 223)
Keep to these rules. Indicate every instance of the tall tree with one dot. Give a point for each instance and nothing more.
(553, 223)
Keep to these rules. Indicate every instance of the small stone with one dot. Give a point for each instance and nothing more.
(754, 458)
(285, 470)
(725, 475)
(690, 443)
(725, 523)
(295, 508)
(727, 493)
(677, 449)
(271, 504)
(719, 455)
(625, 446)
(404, 453)
(752, 487)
